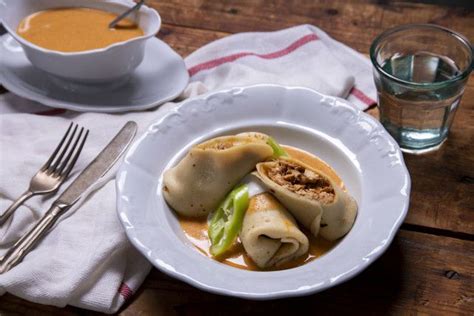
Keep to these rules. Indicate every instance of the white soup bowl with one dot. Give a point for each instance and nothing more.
(106, 64)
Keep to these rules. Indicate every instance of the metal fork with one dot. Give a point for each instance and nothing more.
(53, 173)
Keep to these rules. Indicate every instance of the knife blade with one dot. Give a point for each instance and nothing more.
(100, 165)
(88, 177)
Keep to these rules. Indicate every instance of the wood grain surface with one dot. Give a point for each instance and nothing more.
(420, 273)
(429, 268)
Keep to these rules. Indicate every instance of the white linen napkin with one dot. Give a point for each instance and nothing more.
(86, 260)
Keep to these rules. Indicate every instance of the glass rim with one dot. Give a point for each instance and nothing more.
(463, 40)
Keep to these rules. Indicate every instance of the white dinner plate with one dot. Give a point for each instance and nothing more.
(161, 77)
(353, 143)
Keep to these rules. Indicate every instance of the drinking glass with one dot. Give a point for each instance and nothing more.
(420, 71)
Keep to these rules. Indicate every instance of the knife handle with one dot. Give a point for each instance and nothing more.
(29, 240)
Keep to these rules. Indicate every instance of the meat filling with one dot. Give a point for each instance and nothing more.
(302, 181)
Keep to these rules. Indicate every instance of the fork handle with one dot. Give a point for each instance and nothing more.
(23, 246)
(12, 208)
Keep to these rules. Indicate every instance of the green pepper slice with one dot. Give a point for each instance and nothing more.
(226, 222)
(278, 151)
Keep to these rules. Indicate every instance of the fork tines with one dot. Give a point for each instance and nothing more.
(55, 171)
(65, 156)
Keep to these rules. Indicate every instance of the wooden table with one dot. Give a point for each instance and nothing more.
(429, 268)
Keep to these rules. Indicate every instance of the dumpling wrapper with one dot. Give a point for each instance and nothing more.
(257, 135)
(202, 179)
(270, 235)
(313, 198)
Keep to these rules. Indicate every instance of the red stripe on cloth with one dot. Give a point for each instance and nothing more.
(125, 291)
(362, 96)
(51, 112)
(227, 59)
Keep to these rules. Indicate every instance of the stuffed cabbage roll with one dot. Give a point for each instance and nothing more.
(201, 180)
(317, 203)
(270, 235)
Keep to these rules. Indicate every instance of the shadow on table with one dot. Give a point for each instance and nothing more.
(374, 291)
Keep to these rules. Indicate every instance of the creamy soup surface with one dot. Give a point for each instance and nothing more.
(75, 29)
(196, 229)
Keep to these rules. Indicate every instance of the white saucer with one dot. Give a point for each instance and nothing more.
(161, 77)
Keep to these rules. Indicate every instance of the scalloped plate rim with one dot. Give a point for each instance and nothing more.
(373, 256)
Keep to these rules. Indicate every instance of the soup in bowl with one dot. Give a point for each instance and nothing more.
(71, 39)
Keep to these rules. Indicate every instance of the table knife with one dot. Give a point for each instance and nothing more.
(96, 170)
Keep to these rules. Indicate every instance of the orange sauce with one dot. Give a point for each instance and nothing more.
(196, 229)
(75, 29)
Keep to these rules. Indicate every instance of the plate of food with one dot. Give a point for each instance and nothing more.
(263, 192)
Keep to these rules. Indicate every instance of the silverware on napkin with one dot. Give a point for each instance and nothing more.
(87, 178)
(55, 171)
